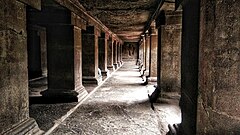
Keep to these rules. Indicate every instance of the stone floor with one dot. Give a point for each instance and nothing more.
(118, 107)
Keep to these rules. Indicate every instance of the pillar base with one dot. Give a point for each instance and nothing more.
(119, 64)
(92, 80)
(112, 68)
(146, 72)
(65, 95)
(115, 66)
(152, 79)
(27, 127)
(105, 73)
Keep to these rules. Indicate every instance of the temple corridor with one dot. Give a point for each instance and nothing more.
(144, 67)
(119, 106)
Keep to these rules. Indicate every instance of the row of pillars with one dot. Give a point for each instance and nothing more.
(199, 53)
(160, 52)
(77, 53)
(72, 50)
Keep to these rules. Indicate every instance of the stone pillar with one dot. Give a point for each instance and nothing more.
(64, 63)
(142, 56)
(110, 54)
(218, 108)
(159, 58)
(159, 21)
(147, 54)
(91, 73)
(103, 53)
(115, 54)
(140, 60)
(189, 66)
(43, 43)
(144, 52)
(37, 51)
(153, 53)
(171, 52)
(64, 52)
(14, 97)
(119, 54)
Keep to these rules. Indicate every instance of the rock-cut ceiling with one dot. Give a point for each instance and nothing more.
(126, 18)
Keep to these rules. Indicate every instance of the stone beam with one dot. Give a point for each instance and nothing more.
(78, 9)
(33, 3)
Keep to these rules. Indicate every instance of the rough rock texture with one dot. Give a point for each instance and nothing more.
(126, 18)
(130, 51)
(13, 67)
(13, 64)
(170, 62)
(219, 95)
(153, 54)
(147, 54)
(171, 53)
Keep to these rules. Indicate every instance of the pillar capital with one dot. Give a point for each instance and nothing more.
(153, 30)
(78, 21)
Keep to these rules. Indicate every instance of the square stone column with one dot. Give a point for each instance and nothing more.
(64, 51)
(171, 52)
(119, 54)
(190, 66)
(64, 63)
(153, 53)
(110, 54)
(14, 97)
(37, 52)
(115, 54)
(103, 53)
(91, 74)
(142, 56)
(147, 55)
(144, 53)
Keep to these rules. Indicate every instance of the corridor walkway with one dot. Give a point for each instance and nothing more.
(119, 107)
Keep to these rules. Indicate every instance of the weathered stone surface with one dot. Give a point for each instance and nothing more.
(171, 58)
(90, 56)
(125, 18)
(153, 54)
(147, 54)
(219, 96)
(14, 102)
(33, 3)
